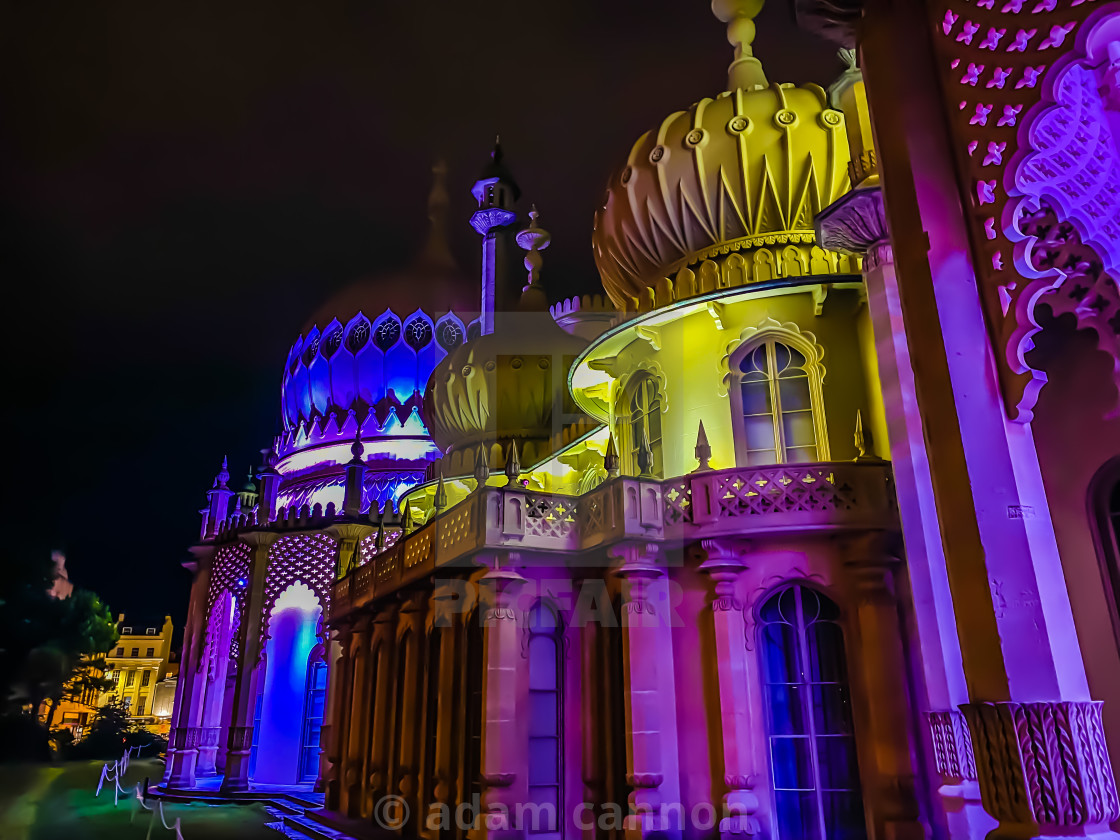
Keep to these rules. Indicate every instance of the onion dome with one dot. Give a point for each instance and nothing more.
(367, 353)
(511, 384)
(744, 172)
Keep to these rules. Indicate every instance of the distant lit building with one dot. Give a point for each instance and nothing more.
(137, 665)
(807, 529)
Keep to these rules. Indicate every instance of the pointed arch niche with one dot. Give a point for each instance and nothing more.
(293, 635)
(774, 376)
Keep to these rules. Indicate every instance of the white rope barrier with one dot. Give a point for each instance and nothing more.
(114, 773)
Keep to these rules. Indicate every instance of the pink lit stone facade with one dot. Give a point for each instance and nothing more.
(573, 585)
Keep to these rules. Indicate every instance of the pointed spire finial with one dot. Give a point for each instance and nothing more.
(440, 500)
(703, 450)
(533, 239)
(745, 71)
(379, 540)
(357, 449)
(513, 463)
(645, 454)
(610, 457)
(481, 467)
(865, 445)
(221, 480)
(406, 516)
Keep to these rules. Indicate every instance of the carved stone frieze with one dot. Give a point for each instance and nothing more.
(1043, 763)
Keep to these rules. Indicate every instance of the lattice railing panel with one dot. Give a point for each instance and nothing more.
(782, 490)
(550, 516)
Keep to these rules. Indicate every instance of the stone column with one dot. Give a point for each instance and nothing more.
(182, 750)
(411, 631)
(503, 752)
(378, 765)
(724, 565)
(245, 690)
(884, 723)
(348, 538)
(447, 620)
(1011, 609)
(354, 716)
(650, 700)
(339, 682)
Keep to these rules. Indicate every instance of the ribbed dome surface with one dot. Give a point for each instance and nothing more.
(747, 168)
(512, 383)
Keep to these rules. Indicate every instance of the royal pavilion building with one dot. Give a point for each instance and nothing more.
(806, 529)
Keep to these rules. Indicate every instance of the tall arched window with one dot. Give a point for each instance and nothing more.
(777, 402)
(641, 408)
(545, 709)
(814, 772)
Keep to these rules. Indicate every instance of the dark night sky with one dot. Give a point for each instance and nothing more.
(181, 185)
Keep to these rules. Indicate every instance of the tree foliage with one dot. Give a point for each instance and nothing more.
(48, 646)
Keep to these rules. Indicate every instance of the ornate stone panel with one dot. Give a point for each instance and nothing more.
(307, 558)
(229, 573)
(1027, 117)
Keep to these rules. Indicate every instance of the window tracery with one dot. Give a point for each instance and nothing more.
(813, 763)
(387, 334)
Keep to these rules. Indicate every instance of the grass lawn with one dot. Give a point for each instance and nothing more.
(56, 802)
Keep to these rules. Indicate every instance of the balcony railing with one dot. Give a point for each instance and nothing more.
(836, 496)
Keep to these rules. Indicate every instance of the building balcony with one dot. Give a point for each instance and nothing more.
(738, 502)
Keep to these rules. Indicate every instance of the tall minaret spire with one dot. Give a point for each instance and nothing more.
(496, 191)
(436, 250)
(745, 71)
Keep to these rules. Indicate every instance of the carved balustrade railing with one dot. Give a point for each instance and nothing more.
(746, 501)
(786, 497)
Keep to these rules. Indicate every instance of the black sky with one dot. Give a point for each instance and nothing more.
(181, 185)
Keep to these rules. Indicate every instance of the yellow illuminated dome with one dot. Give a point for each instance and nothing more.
(744, 172)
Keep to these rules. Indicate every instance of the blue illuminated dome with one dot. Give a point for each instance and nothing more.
(359, 370)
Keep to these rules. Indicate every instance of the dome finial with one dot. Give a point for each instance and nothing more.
(745, 71)
(436, 250)
(533, 239)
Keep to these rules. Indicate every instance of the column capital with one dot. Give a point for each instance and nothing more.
(854, 223)
(258, 539)
(636, 560)
(723, 564)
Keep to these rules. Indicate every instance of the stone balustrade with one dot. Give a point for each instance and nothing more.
(839, 496)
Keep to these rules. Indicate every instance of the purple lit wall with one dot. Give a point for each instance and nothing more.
(293, 634)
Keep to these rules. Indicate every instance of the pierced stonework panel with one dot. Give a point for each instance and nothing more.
(1027, 122)
(230, 573)
(307, 558)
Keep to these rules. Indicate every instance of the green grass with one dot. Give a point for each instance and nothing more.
(56, 802)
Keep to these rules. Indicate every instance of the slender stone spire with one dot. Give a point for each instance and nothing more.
(481, 466)
(513, 463)
(865, 445)
(440, 500)
(610, 457)
(645, 454)
(745, 71)
(703, 450)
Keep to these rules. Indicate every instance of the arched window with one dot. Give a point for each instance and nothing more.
(777, 405)
(641, 408)
(814, 772)
(545, 709)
